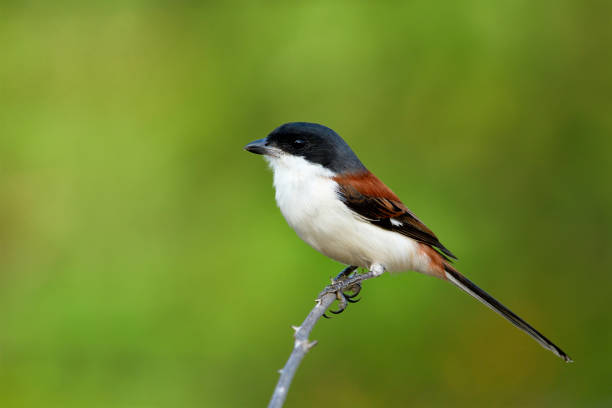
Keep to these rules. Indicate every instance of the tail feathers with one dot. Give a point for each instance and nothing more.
(470, 287)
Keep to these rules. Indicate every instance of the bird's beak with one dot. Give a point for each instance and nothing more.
(257, 147)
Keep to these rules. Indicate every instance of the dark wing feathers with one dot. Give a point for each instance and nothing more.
(380, 210)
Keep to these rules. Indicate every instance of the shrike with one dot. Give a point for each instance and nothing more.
(335, 204)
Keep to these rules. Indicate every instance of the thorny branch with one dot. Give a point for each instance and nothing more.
(301, 344)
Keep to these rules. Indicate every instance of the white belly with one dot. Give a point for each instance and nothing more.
(308, 200)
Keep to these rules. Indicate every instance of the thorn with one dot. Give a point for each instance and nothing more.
(296, 328)
(280, 371)
(318, 302)
(305, 344)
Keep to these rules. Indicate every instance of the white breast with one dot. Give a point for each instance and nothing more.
(307, 197)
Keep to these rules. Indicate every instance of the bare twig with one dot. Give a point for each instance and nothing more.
(302, 345)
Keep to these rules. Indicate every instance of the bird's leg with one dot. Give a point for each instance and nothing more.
(356, 288)
(344, 281)
(351, 281)
(346, 272)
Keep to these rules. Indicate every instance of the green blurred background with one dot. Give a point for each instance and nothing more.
(143, 261)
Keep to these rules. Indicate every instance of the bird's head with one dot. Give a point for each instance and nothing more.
(316, 144)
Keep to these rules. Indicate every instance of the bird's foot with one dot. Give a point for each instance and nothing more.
(347, 281)
(344, 298)
(346, 286)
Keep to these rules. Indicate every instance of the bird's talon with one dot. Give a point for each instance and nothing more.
(355, 292)
(347, 281)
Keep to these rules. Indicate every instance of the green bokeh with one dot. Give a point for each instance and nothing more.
(143, 261)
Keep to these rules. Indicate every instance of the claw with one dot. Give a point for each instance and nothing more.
(348, 299)
(356, 288)
(326, 316)
(351, 296)
(342, 303)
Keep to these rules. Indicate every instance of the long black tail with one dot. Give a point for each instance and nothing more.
(470, 287)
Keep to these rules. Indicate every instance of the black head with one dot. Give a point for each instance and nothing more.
(316, 143)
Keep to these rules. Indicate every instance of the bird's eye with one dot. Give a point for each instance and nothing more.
(298, 143)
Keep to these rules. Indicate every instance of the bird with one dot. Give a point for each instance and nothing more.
(342, 210)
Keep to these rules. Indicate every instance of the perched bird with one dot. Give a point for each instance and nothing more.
(335, 204)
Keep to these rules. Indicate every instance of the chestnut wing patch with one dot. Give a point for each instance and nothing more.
(388, 213)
